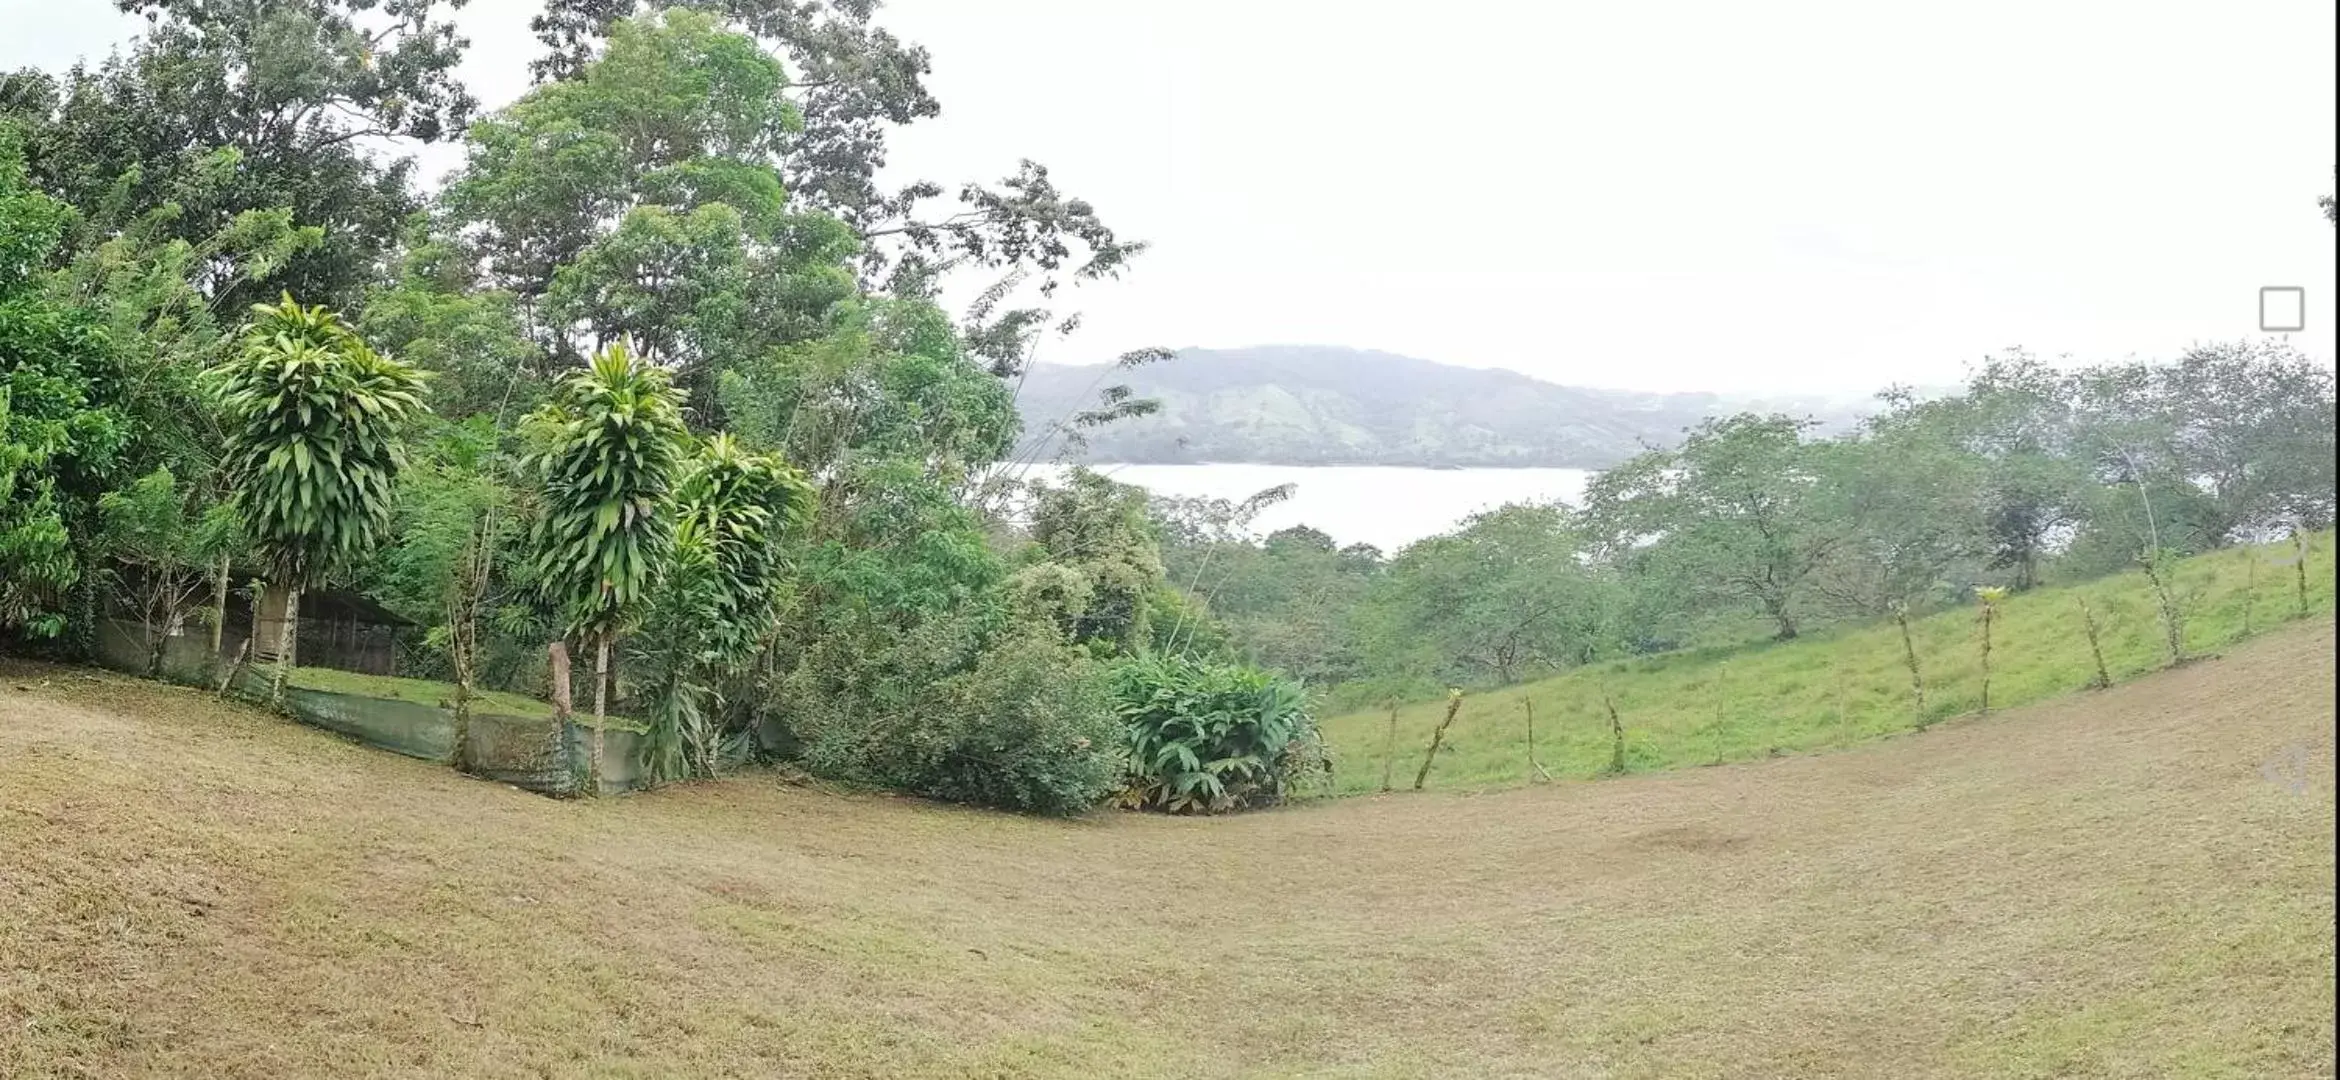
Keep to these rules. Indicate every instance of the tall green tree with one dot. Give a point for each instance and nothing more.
(2015, 422)
(452, 558)
(36, 552)
(1099, 529)
(312, 419)
(612, 444)
(892, 382)
(163, 538)
(2251, 424)
(1289, 601)
(855, 84)
(473, 340)
(641, 199)
(1732, 515)
(293, 95)
(1501, 596)
(63, 433)
(1914, 515)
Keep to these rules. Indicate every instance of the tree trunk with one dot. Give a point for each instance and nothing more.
(600, 706)
(564, 710)
(459, 650)
(154, 646)
(236, 666)
(464, 602)
(557, 660)
(2299, 544)
(219, 599)
(2158, 568)
(461, 754)
(1529, 704)
(1989, 610)
(286, 638)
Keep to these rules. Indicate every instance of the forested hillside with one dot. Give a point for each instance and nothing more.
(1318, 405)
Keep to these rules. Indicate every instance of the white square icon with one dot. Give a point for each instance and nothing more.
(2282, 309)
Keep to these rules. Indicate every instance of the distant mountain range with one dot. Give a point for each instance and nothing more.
(1321, 405)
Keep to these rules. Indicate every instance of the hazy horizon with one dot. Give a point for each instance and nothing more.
(1842, 396)
(1818, 199)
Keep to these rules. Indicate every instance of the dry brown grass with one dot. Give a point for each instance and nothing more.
(2117, 884)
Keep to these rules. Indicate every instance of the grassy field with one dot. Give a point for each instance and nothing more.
(1828, 689)
(2126, 884)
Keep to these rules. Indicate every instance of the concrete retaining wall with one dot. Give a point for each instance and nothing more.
(121, 645)
(524, 751)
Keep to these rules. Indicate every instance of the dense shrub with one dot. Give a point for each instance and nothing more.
(1206, 738)
(1030, 728)
(1025, 723)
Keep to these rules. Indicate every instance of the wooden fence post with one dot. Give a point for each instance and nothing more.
(1529, 704)
(1454, 698)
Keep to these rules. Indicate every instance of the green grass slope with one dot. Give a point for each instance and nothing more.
(1827, 689)
(2137, 883)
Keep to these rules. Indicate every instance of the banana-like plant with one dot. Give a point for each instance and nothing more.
(1207, 738)
(613, 441)
(312, 417)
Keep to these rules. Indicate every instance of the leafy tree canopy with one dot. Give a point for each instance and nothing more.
(292, 95)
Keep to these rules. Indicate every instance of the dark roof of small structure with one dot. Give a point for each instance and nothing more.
(336, 603)
(344, 604)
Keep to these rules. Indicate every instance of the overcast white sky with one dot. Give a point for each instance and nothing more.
(1780, 197)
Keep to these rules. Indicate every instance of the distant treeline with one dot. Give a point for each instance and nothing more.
(1755, 525)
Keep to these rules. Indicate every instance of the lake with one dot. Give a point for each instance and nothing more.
(1386, 506)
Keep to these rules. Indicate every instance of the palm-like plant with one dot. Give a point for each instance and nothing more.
(614, 440)
(716, 599)
(312, 419)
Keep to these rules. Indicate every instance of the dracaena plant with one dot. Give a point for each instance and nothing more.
(312, 419)
(612, 445)
(716, 601)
